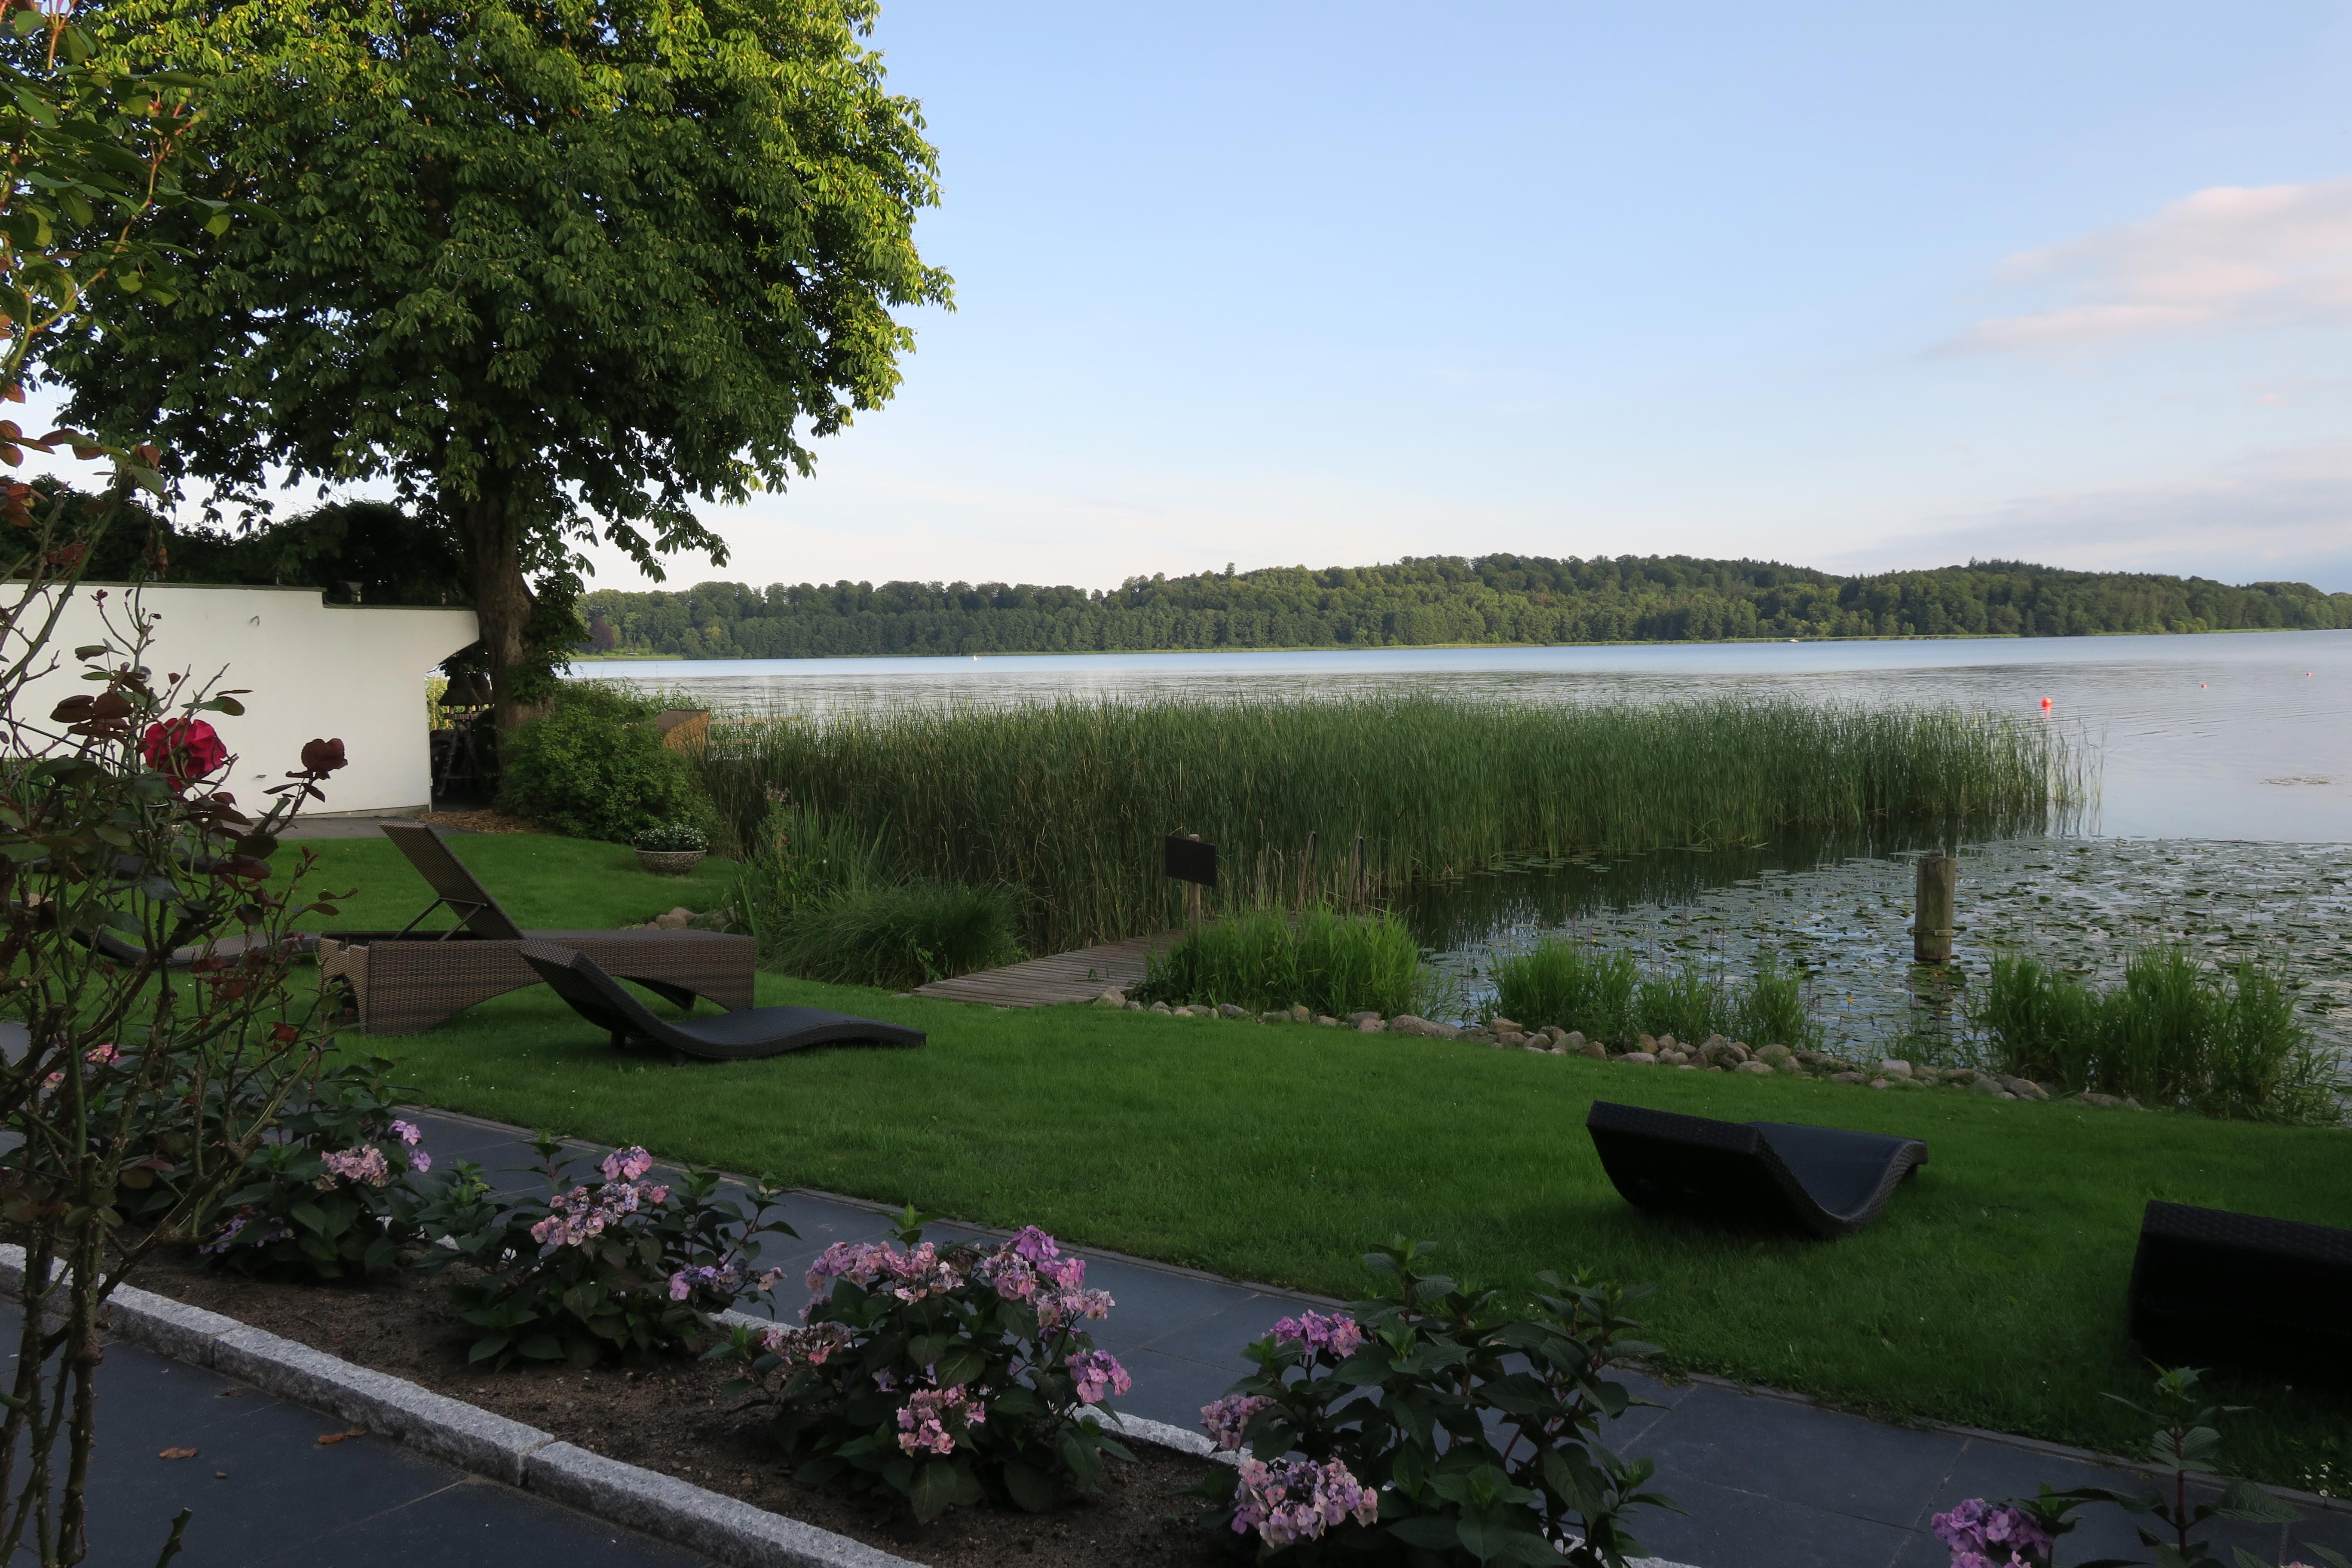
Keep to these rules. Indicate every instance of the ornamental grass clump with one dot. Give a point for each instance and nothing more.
(1264, 959)
(1605, 993)
(946, 1374)
(1436, 1424)
(612, 1266)
(2219, 1038)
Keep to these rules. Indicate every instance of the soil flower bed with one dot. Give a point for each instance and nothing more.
(670, 1416)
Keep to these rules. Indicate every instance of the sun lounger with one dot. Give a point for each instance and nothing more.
(736, 1036)
(409, 980)
(2207, 1282)
(1821, 1179)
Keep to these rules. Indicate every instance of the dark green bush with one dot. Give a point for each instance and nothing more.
(897, 934)
(593, 766)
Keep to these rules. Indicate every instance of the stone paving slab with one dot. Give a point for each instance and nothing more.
(1768, 1480)
(286, 1500)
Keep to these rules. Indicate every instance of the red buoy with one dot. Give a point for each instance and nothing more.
(2045, 702)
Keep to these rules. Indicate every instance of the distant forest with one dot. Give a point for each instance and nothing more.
(1436, 600)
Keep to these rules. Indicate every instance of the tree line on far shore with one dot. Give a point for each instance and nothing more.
(1437, 600)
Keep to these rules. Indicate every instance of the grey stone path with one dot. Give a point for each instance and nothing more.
(263, 1490)
(1769, 1482)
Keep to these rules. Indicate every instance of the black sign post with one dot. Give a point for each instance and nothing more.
(1188, 860)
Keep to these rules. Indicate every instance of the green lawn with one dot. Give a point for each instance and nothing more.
(1991, 1294)
(544, 882)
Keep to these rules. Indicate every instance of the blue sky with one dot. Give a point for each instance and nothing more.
(1859, 287)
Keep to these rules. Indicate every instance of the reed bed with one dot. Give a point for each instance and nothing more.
(1069, 802)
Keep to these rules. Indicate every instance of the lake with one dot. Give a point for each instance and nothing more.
(2223, 817)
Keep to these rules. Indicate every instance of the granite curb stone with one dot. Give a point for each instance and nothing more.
(732, 1531)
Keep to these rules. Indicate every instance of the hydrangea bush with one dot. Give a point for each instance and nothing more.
(610, 1265)
(327, 1195)
(2186, 1445)
(1435, 1424)
(947, 1374)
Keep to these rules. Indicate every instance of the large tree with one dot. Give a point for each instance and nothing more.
(553, 269)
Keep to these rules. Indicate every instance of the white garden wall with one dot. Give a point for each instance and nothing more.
(314, 671)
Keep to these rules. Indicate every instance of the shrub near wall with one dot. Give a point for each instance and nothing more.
(593, 766)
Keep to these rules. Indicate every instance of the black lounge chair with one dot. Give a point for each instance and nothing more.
(735, 1036)
(2207, 1282)
(1821, 1179)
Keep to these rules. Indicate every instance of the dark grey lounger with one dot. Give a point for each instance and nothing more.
(729, 1037)
(1821, 1179)
(2207, 1282)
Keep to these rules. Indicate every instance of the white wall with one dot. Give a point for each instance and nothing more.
(314, 670)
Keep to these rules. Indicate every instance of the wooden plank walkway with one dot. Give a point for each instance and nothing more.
(1079, 976)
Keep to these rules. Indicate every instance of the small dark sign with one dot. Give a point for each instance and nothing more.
(1190, 860)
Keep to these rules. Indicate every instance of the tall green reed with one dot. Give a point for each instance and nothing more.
(2221, 1038)
(1069, 801)
(1604, 994)
(1328, 962)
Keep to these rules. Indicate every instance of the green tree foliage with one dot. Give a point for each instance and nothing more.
(1437, 600)
(554, 271)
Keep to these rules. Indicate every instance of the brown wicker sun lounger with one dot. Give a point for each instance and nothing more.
(1826, 1180)
(736, 1036)
(409, 980)
(2208, 1283)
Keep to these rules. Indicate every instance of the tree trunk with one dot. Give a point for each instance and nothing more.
(502, 603)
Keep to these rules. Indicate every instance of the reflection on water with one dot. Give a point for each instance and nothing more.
(1843, 916)
(2224, 736)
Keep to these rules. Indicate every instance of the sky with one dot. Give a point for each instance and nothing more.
(1854, 287)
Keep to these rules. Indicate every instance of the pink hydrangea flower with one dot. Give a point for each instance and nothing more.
(364, 1164)
(1058, 1307)
(1986, 1535)
(812, 1346)
(420, 1162)
(1098, 1374)
(1227, 1421)
(1336, 1336)
(924, 1425)
(1290, 1500)
(408, 1132)
(627, 1164)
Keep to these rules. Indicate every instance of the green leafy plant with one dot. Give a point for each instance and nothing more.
(1604, 993)
(328, 1195)
(946, 1374)
(594, 767)
(612, 1266)
(1437, 1422)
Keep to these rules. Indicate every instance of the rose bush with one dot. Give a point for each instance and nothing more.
(947, 1374)
(1434, 1423)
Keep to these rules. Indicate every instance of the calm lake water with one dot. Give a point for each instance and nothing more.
(2226, 736)
(2224, 817)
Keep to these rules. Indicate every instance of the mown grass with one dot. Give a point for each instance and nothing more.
(1069, 802)
(544, 882)
(1991, 1294)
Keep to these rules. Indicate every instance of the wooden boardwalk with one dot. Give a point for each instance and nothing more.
(1079, 976)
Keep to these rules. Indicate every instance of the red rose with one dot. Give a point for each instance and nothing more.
(324, 756)
(183, 749)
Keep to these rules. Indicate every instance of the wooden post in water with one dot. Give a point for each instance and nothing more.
(1305, 873)
(1931, 930)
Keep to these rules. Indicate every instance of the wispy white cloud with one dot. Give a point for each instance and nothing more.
(2228, 256)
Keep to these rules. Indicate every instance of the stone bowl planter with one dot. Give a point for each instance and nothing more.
(670, 862)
